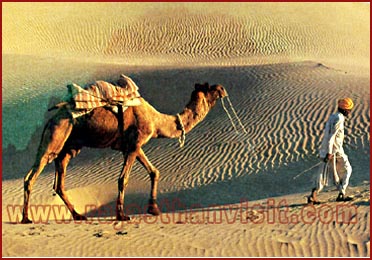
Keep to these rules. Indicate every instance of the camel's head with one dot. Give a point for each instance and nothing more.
(210, 93)
(203, 98)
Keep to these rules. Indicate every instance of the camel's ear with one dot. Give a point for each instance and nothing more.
(198, 87)
(202, 87)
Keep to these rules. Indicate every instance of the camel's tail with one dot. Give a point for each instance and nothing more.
(59, 105)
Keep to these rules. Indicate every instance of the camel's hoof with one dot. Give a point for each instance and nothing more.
(153, 209)
(122, 218)
(79, 217)
(26, 220)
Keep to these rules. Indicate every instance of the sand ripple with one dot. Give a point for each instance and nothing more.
(181, 34)
(283, 65)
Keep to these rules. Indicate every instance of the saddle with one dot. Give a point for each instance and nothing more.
(81, 101)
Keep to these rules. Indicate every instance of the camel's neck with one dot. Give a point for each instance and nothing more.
(169, 126)
(193, 114)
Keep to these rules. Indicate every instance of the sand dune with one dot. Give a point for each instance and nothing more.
(129, 31)
(284, 66)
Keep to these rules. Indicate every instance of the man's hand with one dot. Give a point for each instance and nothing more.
(328, 157)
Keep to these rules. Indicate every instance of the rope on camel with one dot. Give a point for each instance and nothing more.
(182, 138)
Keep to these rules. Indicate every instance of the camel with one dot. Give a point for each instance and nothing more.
(63, 138)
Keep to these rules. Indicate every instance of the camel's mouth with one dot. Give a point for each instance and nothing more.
(222, 93)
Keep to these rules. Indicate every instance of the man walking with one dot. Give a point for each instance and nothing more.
(336, 166)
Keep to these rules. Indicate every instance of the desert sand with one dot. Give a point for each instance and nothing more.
(224, 193)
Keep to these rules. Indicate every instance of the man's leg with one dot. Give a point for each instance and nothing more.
(344, 168)
(320, 182)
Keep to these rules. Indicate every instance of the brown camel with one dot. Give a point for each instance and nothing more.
(63, 138)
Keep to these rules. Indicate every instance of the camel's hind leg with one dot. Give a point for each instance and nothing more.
(29, 180)
(53, 140)
(59, 183)
(129, 159)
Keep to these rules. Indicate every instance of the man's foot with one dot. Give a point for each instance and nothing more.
(312, 199)
(342, 198)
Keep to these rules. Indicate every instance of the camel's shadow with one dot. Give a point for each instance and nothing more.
(237, 191)
(160, 88)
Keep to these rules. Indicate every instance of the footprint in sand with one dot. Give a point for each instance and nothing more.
(287, 239)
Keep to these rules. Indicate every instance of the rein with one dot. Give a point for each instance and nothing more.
(235, 114)
(182, 138)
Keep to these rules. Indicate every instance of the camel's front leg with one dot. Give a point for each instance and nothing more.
(153, 208)
(122, 184)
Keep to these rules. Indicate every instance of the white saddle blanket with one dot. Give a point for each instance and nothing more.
(103, 94)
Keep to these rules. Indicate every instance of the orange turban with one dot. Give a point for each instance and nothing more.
(346, 103)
